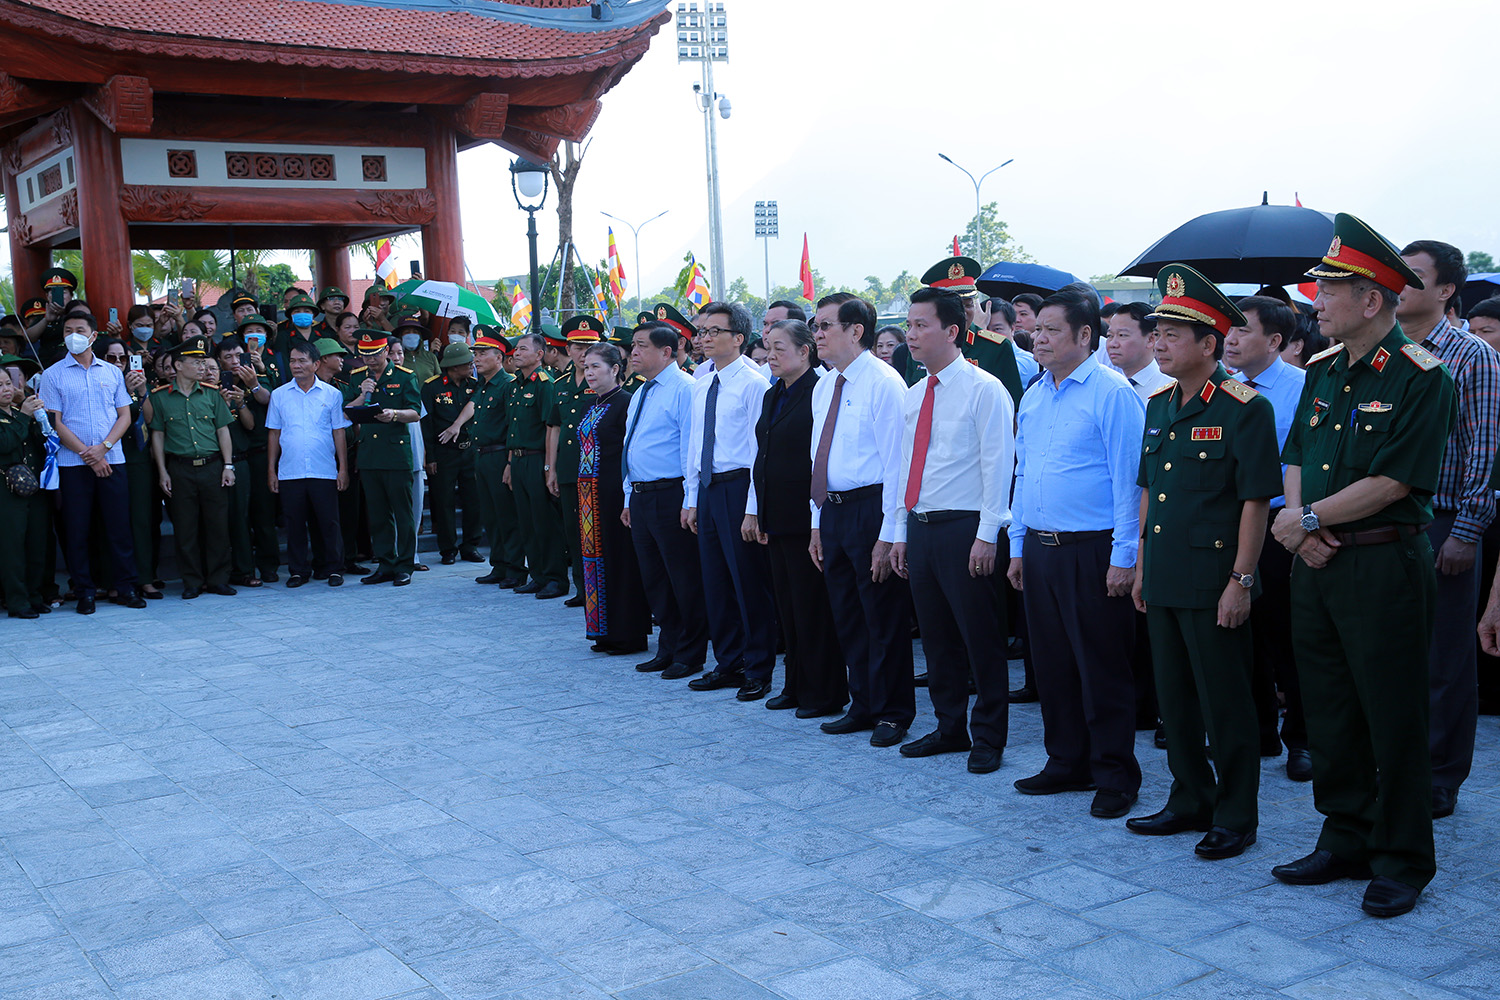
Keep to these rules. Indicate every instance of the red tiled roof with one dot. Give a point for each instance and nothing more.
(329, 34)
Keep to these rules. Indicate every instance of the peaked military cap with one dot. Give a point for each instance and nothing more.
(642, 318)
(301, 301)
(371, 341)
(455, 355)
(240, 297)
(552, 334)
(664, 313)
(254, 319)
(487, 336)
(583, 329)
(59, 277)
(1358, 251)
(191, 347)
(33, 307)
(956, 274)
(333, 292)
(1189, 297)
(327, 346)
(624, 336)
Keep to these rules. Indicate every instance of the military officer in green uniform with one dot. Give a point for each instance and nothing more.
(385, 458)
(331, 302)
(1362, 459)
(254, 332)
(299, 324)
(622, 337)
(664, 312)
(991, 351)
(570, 400)
(21, 561)
(487, 429)
(450, 455)
(195, 464)
(255, 553)
(526, 404)
(1209, 469)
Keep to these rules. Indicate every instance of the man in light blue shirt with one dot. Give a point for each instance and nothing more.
(1074, 535)
(657, 439)
(1255, 351)
(308, 464)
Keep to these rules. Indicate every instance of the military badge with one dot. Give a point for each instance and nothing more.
(1375, 406)
(1379, 360)
(1176, 287)
(661, 312)
(1335, 247)
(1208, 433)
(955, 270)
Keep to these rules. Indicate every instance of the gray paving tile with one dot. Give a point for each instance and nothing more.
(833, 904)
(268, 909)
(953, 899)
(1263, 956)
(454, 930)
(575, 924)
(1033, 929)
(632, 960)
(154, 957)
(989, 973)
(765, 951)
(364, 975)
(1358, 981)
(1128, 967)
(845, 979)
(488, 970)
(232, 980)
(714, 981)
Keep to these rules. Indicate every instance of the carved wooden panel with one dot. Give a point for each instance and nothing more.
(145, 203)
(483, 116)
(50, 181)
(182, 163)
(123, 104)
(279, 166)
(567, 121)
(374, 169)
(409, 208)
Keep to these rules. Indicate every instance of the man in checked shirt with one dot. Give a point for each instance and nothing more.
(1463, 508)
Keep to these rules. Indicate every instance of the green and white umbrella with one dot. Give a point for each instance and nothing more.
(444, 298)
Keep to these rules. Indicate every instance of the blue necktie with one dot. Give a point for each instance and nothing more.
(710, 418)
(640, 407)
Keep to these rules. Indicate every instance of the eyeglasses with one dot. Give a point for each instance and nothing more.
(117, 359)
(712, 331)
(828, 324)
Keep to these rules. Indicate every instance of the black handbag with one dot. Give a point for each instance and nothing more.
(21, 481)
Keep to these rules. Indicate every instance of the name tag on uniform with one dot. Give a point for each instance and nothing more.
(1208, 433)
(1153, 431)
(1375, 406)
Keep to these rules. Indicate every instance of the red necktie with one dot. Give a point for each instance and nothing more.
(919, 446)
(825, 445)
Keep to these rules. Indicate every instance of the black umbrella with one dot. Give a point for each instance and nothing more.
(1261, 245)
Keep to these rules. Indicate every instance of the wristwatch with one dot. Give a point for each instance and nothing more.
(1309, 519)
(1246, 580)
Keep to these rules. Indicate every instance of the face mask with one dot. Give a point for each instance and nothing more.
(302, 320)
(141, 332)
(411, 341)
(77, 343)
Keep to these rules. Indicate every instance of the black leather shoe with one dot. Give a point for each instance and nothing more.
(920, 680)
(448, 558)
(677, 671)
(294, 581)
(46, 609)
(1443, 801)
(576, 601)
(221, 589)
(470, 555)
(85, 605)
(135, 600)
(983, 759)
(1299, 764)
(529, 587)
(1221, 843)
(26, 613)
(651, 666)
(381, 577)
(1319, 868)
(781, 701)
(335, 579)
(935, 743)
(493, 576)
(846, 724)
(1385, 897)
(551, 592)
(402, 580)
(1160, 739)
(188, 594)
(716, 679)
(1051, 784)
(750, 690)
(353, 568)
(510, 582)
(887, 734)
(421, 567)
(813, 712)
(1165, 824)
(1022, 695)
(150, 595)
(1110, 804)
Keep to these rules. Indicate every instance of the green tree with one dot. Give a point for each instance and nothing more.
(1481, 262)
(275, 279)
(998, 244)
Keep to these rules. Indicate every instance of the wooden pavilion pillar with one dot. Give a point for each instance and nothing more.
(26, 262)
(443, 237)
(103, 234)
(333, 269)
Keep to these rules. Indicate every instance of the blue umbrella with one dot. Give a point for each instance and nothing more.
(1480, 287)
(1008, 279)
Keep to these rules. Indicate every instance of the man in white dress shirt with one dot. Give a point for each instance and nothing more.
(1132, 332)
(856, 505)
(717, 493)
(955, 487)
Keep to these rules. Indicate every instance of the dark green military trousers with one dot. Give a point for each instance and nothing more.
(199, 506)
(497, 506)
(145, 513)
(1203, 688)
(393, 531)
(454, 487)
(252, 519)
(1362, 626)
(20, 581)
(541, 521)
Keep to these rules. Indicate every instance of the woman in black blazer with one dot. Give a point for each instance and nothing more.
(816, 680)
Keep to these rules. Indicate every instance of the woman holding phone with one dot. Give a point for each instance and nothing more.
(21, 561)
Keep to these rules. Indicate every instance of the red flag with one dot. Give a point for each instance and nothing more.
(1309, 289)
(1297, 198)
(805, 273)
(956, 251)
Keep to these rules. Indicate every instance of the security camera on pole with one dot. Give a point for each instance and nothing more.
(703, 37)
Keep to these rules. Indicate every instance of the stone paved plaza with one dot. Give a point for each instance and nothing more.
(439, 792)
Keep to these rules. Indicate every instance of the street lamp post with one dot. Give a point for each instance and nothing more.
(978, 213)
(703, 37)
(528, 181)
(766, 227)
(635, 236)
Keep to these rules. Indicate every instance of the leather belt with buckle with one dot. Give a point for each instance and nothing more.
(939, 516)
(1069, 537)
(858, 493)
(652, 485)
(1376, 536)
(724, 477)
(196, 463)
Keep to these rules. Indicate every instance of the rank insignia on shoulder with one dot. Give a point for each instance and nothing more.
(1239, 390)
(1208, 433)
(1375, 406)
(1166, 388)
(1330, 352)
(434, 378)
(1421, 357)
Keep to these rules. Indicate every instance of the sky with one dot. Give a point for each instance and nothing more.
(1124, 121)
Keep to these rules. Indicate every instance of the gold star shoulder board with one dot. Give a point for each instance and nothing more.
(1166, 388)
(408, 371)
(1238, 390)
(433, 379)
(361, 368)
(1420, 357)
(991, 336)
(1326, 354)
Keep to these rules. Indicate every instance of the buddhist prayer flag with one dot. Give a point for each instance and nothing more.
(601, 301)
(520, 308)
(385, 265)
(617, 282)
(806, 272)
(698, 292)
